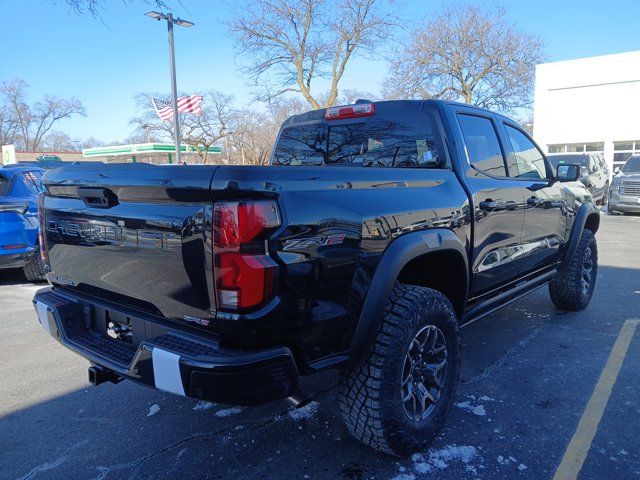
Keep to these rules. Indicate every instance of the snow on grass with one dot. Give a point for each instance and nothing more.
(202, 405)
(305, 413)
(153, 409)
(227, 412)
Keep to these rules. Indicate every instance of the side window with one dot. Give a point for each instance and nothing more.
(482, 145)
(602, 163)
(529, 161)
(5, 185)
(31, 182)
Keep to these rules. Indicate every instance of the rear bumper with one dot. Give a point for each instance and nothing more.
(166, 358)
(13, 260)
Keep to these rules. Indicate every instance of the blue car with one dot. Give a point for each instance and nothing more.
(19, 189)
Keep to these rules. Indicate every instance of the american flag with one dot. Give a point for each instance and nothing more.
(189, 104)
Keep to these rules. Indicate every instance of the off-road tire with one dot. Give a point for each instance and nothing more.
(370, 393)
(34, 268)
(566, 289)
(610, 211)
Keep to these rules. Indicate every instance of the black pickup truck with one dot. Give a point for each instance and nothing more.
(377, 232)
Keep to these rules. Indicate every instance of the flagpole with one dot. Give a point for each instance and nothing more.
(174, 89)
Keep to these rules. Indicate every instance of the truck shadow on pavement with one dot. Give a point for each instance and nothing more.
(14, 276)
(528, 371)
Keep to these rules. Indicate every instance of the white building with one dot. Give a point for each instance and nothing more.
(589, 104)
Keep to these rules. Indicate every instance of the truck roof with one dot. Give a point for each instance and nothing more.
(383, 106)
(12, 169)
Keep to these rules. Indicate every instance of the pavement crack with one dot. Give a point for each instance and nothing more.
(508, 354)
(45, 467)
(138, 462)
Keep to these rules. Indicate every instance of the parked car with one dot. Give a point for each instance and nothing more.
(624, 195)
(19, 189)
(378, 230)
(594, 172)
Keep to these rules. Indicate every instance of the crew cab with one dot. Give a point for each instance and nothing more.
(19, 189)
(378, 230)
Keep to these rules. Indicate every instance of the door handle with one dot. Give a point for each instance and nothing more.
(488, 204)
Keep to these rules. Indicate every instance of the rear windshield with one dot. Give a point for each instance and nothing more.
(632, 165)
(4, 186)
(377, 141)
(581, 160)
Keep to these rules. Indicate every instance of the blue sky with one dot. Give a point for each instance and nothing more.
(105, 63)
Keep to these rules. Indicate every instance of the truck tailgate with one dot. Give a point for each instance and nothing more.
(136, 234)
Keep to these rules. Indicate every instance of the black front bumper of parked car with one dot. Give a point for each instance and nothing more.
(150, 351)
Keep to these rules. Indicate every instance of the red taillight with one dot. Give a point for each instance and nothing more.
(244, 273)
(14, 246)
(350, 111)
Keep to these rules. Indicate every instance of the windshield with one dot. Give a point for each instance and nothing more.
(577, 159)
(632, 165)
(383, 141)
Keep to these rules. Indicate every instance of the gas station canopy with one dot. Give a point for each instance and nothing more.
(144, 150)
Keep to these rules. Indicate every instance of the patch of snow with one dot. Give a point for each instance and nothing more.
(522, 467)
(475, 409)
(153, 409)
(479, 410)
(227, 412)
(305, 413)
(404, 476)
(202, 405)
(440, 459)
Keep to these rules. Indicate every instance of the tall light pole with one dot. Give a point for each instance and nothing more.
(172, 65)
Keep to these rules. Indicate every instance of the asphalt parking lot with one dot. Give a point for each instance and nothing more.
(529, 372)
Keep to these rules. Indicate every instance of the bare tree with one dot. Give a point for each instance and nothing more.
(252, 134)
(8, 126)
(91, 142)
(95, 7)
(291, 43)
(202, 131)
(467, 53)
(33, 122)
(58, 141)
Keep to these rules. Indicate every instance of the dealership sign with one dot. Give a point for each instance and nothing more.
(8, 154)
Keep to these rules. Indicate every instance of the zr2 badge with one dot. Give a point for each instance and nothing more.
(302, 243)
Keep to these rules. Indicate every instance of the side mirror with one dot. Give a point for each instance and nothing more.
(616, 170)
(568, 172)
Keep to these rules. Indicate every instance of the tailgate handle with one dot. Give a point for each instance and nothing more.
(98, 197)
